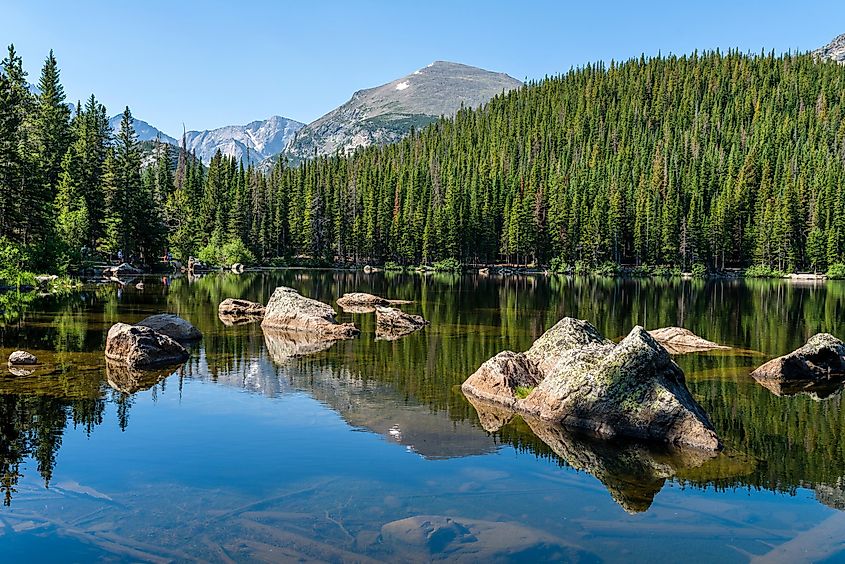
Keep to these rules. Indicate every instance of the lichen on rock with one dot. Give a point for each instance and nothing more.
(583, 381)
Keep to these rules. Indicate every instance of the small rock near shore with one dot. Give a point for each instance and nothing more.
(22, 358)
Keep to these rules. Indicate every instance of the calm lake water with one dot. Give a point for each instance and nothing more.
(368, 450)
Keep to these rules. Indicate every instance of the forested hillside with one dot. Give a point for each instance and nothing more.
(717, 159)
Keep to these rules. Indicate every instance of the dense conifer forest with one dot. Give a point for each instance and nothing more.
(714, 159)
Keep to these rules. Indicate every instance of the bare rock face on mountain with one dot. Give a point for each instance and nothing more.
(387, 113)
(140, 347)
(677, 340)
(835, 50)
(173, 326)
(289, 310)
(820, 361)
(585, 382)
(232, 311)
(392, 323)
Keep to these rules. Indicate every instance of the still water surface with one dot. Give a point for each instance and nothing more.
(368, 451)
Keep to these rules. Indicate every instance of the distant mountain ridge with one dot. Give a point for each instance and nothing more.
(253, 142)
(387, 113)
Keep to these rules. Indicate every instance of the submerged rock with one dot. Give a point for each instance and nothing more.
(392, 323)
(173, 326)
(583, 381)
(289, 310)
(22, 358)
(464, 539)
(677, 340)
(138, 346)
(131, 380)
(232, 311)
(820, 361)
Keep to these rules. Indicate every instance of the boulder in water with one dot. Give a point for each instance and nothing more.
(291, 311)
(22, 358)
(392, 323)
(138, 346)
(173, 326)
(585, 382)
(821, 360)
(677, 340)
(232, 311)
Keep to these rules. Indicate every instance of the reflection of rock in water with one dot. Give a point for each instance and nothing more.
(632, 472)
(284, 345)
(129, 381)
(832, 495)
(463, 539)
(816, 390)
(491, 416)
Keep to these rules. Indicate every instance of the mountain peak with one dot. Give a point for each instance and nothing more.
(388, 112)
(835, 50)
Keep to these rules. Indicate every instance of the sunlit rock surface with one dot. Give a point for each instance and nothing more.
(677, 340)
(173, 326)
(289, 310)
(819, 362)
(585, 382)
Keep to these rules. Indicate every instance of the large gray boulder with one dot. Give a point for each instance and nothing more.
(137, 346)
(585, 382)
(289, 310)
(821, 360)
(362, 302)
(173, 326)
(22, 358)
(392, 323)
(232, 311)
(677, 340)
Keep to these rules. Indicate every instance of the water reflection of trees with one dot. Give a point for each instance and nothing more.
(783, 442)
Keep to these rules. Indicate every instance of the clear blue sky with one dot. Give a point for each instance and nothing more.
(211, 63)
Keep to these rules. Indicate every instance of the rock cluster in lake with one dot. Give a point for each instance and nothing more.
(817, 367)
(677, 340)
(574, 377)
(291, 311)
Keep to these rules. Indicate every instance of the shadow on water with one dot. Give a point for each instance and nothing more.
(408, 390)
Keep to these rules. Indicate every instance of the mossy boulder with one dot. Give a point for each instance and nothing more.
(583, 381)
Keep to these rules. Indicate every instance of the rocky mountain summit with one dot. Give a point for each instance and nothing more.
(835, 50)
(387, 113)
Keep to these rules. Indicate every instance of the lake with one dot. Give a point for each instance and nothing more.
(368, 450)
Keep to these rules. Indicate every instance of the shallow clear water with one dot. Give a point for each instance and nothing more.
(369, 451)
